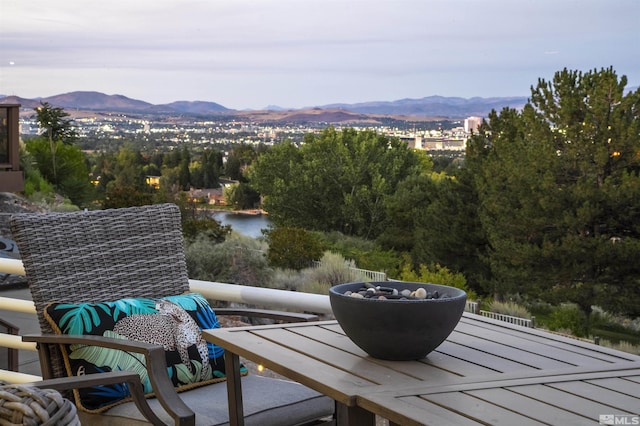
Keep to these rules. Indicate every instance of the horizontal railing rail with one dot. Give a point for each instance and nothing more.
(11, 266)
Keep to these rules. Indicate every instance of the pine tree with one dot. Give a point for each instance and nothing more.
(558, 186)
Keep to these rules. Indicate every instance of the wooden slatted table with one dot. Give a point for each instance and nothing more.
(556, 399)
(480, 351)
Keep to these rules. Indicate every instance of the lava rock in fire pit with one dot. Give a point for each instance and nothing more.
(370, 291)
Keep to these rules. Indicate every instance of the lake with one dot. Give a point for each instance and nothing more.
(246, 224)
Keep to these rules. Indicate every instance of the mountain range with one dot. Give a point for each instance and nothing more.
(428, 107)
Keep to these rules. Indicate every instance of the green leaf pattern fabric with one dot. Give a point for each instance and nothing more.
(101, 318)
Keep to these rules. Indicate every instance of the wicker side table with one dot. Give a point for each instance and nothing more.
(25, 405)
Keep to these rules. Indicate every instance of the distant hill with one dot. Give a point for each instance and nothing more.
(24, 103)
(196, 107)
(96, 101)
(428, 107)
(311, 115)
(436, 106)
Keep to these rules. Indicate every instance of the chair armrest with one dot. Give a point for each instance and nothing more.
(131, 378)
(106, 342)
(87, 380)
(265, 313)
(156, 367)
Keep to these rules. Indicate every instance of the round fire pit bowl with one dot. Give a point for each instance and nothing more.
(394, 328)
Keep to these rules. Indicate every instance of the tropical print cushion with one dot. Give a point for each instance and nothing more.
(174, 322)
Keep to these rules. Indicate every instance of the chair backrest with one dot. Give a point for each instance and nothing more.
(101, 255)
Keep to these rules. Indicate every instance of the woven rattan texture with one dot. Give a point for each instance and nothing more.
(23, 405)
(101, 255)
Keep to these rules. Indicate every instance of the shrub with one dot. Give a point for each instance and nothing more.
(68, 173)
(334, 269)
(568, 317)
(437, 275)
(509, 308)
(237, 260)
(366, 253)
(196, 223)
(129, 196)
(538, 307)
(287, 279)
(205, 227)
(35, 186)
(315, 287)
(292, 248)
(64, 205)
(606, 320)
(621, 346)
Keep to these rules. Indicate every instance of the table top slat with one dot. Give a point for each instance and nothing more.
(566, 400)
(414, 411)
(620, 384)
(480, 410)
(617, 393)
(529, 407)
(545, 339)
(514, 379)
(529, 351)
(331, 336)
(458, 366)
(635, 379)
(484, 357)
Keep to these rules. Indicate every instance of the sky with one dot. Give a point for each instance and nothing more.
(249, 54)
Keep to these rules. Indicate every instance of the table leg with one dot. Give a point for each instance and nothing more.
(354, 416)
(234, 388)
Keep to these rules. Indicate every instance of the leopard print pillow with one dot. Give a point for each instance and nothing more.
(174, 322)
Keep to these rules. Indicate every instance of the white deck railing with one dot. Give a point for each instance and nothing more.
(474, 308)
(11, 266)
(372, 275)
(357, 274)
(524, 322)
(263, 297)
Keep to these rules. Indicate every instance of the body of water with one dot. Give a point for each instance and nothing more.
(245, 224)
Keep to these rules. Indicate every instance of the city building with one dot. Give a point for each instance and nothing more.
(472, 124)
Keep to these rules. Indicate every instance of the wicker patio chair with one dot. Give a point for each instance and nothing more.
(137, 252)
